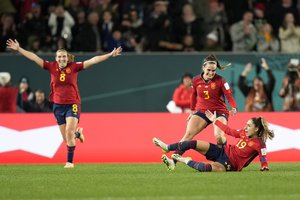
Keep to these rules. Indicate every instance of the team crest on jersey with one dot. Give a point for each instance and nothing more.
(213, 85)
(68, 70)
(250, 144)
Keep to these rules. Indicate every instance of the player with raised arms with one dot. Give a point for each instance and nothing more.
(64, 90)
(209, 92)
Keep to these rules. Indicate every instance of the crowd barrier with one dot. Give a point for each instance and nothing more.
(127, 137)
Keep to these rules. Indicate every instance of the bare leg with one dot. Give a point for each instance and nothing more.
(219, 134)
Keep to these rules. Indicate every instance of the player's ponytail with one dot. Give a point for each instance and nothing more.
(212, 59)
(263, 128)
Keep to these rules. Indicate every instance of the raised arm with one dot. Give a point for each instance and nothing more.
(97, 59)
(14, 45)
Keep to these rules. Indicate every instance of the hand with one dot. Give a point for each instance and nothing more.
(13, 44)
(264, 64)
(116, 52)
(233, 111)
(264, 169)
(211, 116)
(247, 69)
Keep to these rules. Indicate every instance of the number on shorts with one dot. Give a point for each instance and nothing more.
(74, 108)
(62, 77)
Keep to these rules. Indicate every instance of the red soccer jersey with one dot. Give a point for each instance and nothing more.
(211, 95)
(182, 96)
(64, 89)
(241, 154)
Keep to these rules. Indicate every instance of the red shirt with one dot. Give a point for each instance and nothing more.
(182, 96)
(241, 154)
(8, 99)
(211, 95)
(64, 89)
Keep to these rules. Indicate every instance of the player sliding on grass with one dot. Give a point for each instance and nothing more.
(227, 157)
(64, 90)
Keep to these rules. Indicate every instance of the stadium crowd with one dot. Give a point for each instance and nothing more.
(152, 25)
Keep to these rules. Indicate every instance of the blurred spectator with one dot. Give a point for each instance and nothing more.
(259, 15)
(39, 103)
(243, 34)
(212, 42)
(108, 25)
(259, 95)
(88, 38)
(277, 13)
(188, 44)
(182, 96)
(117, 40)
(61, 23)
(235, 9)
(289, 34)
(8, 94)
(7, 30)
(74, 8)
(266, 40)
(290, 89)
(189, 24)
(216, 21)
(157, 29)
(25, 94)
(34, 28)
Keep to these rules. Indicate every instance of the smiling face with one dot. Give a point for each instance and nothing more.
(209, 70)
(61, 58)
(250, 129)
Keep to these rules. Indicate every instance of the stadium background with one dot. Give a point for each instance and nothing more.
(145, 82)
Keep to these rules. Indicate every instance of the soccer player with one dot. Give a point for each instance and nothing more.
(64, 90)
(226, 157)
(209, 92)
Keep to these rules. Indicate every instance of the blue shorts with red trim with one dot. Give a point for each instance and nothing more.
(62, 111)
(217, 154)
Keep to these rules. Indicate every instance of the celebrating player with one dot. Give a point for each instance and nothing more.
(226, 157)
(209, 90)
(64, 90)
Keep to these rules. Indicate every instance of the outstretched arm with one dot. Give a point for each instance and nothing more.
(14, 45)
(98, 59)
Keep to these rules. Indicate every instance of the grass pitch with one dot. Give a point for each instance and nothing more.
(147, 181)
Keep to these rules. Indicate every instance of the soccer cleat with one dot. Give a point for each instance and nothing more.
(181, 159)
(69, 165)
(161, 144)
(81, 136)
(168, 162)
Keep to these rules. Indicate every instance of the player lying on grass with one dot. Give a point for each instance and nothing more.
(227, 157)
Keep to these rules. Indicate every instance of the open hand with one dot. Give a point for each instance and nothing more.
(13, 44)
(116, 52)
(211, 116)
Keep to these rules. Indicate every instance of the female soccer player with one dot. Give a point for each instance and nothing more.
(209, 90)
(227, 157)
(64, 90)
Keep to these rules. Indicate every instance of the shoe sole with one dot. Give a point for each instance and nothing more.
(156, 143)
(166, 162)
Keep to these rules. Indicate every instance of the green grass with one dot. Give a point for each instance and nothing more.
(147, 181)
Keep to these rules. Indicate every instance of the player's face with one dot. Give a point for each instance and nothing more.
(62, 58)
(250, 129)
(209, 71)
